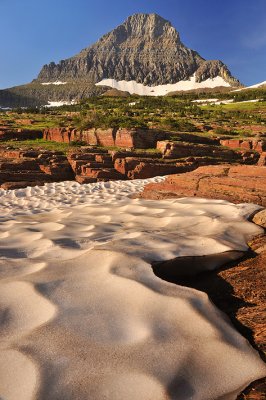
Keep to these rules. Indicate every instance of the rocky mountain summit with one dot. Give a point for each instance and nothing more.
(144, 55)
(146, 48)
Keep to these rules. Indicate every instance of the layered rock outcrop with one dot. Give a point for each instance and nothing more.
(113, 137)
(92, 165)
(158, 155)
(97, 164)
(21, 168)
(258, 145)
(238, 184)
(185, 145)
(171, 149)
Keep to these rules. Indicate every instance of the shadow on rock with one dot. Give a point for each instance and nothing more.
(235, 287)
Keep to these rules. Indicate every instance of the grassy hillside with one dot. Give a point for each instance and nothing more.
(35, 94)
(176, 114)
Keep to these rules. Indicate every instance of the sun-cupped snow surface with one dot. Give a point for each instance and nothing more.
(138, 88)
(67, 194)
(54, 83)
(91, 317)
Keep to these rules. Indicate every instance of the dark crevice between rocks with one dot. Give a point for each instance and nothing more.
(114, 134)
(220, 292)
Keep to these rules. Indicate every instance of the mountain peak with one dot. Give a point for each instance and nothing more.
(143, 19)
(146, 49)
(149, 25)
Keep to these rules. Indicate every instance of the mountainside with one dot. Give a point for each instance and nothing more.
(145, 49)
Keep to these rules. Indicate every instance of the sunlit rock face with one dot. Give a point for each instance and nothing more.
(144, 55)
(146, 49)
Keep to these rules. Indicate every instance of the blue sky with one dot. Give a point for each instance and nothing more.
(35, 32)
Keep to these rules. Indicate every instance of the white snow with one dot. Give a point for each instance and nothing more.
(257, 85)
(60, 103)
(138, 88)
(67, 194)
(213, 101)
(54, 83)
(77, 291)
(249, 101)
(204, 102)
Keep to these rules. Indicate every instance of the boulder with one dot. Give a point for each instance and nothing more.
(144, 170)
(260, 218)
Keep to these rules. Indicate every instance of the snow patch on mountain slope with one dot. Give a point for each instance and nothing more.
(138, 88)
(258, 85)
(60, 103)
(54, 83)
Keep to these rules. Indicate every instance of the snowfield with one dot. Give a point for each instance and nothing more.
(84, 317)
(138, 88)
(54, 83)
(251, 87)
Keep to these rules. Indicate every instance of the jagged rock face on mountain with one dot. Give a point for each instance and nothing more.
(143, 56)
(145, 48)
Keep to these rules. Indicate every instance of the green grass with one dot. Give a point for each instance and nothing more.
(171, 114)
(37, 144)
(39, 121)
(135, 151)
(65, 147)
(236, 106)
(40, 125)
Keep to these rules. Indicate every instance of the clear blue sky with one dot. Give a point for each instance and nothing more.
(35, 32)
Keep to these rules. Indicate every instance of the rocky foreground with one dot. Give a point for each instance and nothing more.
(238, 289)
(118, 154)
(237, 184)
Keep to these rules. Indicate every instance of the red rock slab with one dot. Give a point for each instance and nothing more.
(239, 291)
(247, 171)
(249, 144)
(20, 184)
(236, 184)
